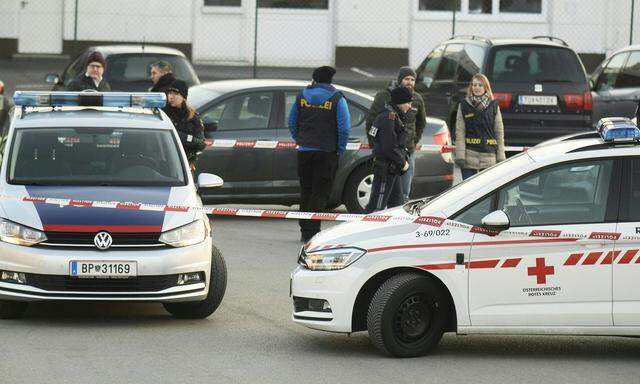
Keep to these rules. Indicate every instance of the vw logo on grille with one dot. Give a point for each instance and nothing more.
(102, 240)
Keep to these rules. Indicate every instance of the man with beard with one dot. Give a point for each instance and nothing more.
(389, 151)
(415, 120)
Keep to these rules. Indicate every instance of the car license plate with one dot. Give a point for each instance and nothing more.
(537, 100)
(104, 269)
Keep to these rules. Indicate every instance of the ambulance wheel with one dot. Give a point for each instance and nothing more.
(357, 190)
(407, 315)
(217, 288)
(12, 309)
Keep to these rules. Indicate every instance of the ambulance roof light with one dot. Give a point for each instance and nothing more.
(89, 99)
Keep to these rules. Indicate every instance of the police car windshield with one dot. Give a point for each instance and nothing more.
(475, 183)
(95, 156)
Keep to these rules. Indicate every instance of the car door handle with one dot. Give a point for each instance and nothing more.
(354, 139)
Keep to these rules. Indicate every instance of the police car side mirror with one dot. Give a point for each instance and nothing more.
(211, 126)
(207, 180)
(496, 221)
(52, 78)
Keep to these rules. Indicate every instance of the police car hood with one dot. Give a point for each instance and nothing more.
(367, 234)
(49, 217)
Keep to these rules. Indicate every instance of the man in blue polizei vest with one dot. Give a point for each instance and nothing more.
(319, 123)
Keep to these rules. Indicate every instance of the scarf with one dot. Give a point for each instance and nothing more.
(479, 102)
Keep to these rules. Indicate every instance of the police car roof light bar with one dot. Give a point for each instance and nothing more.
(618, 130)
(89, 99)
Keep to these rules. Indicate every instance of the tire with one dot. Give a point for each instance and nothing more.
(12, 309)
(217, 288)
(357, 190)
(407, 315)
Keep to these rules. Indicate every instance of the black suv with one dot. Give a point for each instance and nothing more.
(539, 83)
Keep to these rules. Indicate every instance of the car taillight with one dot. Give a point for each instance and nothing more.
(578, 101)
(588, 101)
(503, 99)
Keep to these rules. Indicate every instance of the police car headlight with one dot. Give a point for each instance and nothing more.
(13, 233)
(330, 259)
(189, 234)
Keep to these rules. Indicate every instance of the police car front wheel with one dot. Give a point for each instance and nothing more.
(217, 288)
(407, 315)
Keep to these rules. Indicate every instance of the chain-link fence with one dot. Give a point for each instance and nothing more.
(364, 34)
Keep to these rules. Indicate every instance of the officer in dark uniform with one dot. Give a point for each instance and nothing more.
(389, 152)
(319, 123)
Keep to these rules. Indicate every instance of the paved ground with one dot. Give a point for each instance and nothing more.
(251, 339)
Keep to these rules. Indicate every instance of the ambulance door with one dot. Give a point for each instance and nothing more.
(626, 268)
(542, 275)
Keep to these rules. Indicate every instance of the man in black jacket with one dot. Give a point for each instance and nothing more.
(389, 151)
(161, 76)
(92, 78)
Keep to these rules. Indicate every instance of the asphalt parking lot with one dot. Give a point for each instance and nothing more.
(251, 338)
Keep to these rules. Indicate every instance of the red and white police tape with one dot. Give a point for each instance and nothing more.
(432, 221)
(282, 145)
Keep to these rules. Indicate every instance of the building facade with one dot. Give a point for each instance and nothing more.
(307, 33)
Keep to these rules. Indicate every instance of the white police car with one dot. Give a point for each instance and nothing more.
(546, 242)
(102, 147)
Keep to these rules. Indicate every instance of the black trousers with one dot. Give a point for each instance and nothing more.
(316, 170)
(386, 190)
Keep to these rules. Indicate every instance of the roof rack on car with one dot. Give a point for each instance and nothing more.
(472, 37)
(551, 38)
(153, 100)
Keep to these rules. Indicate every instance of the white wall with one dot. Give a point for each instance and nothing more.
(9, 19)
(223, 34)
(373, 23)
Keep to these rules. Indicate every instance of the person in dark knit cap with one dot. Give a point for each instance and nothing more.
(92, 78)
(390, 153)
(415, 119)
(186, 120)
(319, 123)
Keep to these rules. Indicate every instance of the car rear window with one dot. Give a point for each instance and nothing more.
(95, 156)
(135, 67)
(529, 64)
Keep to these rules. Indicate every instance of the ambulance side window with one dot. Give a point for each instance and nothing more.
(571, 193)
(473, 214)
(630, 209)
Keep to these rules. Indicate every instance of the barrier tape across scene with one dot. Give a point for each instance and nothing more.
(283, 145)
(433, 221)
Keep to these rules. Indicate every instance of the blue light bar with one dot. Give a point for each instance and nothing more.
(618, 129)
(90, 99)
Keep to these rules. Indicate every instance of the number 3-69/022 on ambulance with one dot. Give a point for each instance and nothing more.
(543, 243)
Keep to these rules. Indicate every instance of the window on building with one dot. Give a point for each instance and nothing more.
(298, 4)
(222, 3)
(521, 6)
(439, 5)
(480, 6)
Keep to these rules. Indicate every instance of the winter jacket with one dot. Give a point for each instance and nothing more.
(191, 132)
(318, 94)
(83, 82)
(389, 137)
(470, 159)
(163, 83)
(416, 119)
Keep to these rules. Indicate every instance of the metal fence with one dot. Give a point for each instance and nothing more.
(306, 33)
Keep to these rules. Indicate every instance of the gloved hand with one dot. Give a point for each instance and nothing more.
(405, 167)
(459, 162)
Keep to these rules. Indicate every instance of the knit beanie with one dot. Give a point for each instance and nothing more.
(404, 72)
(401, 95)
(96, 57)
(180, 87)
(323, 74)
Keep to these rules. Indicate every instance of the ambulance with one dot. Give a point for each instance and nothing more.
(546, 242)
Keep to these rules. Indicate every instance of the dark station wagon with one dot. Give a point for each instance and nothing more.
(259, 110)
